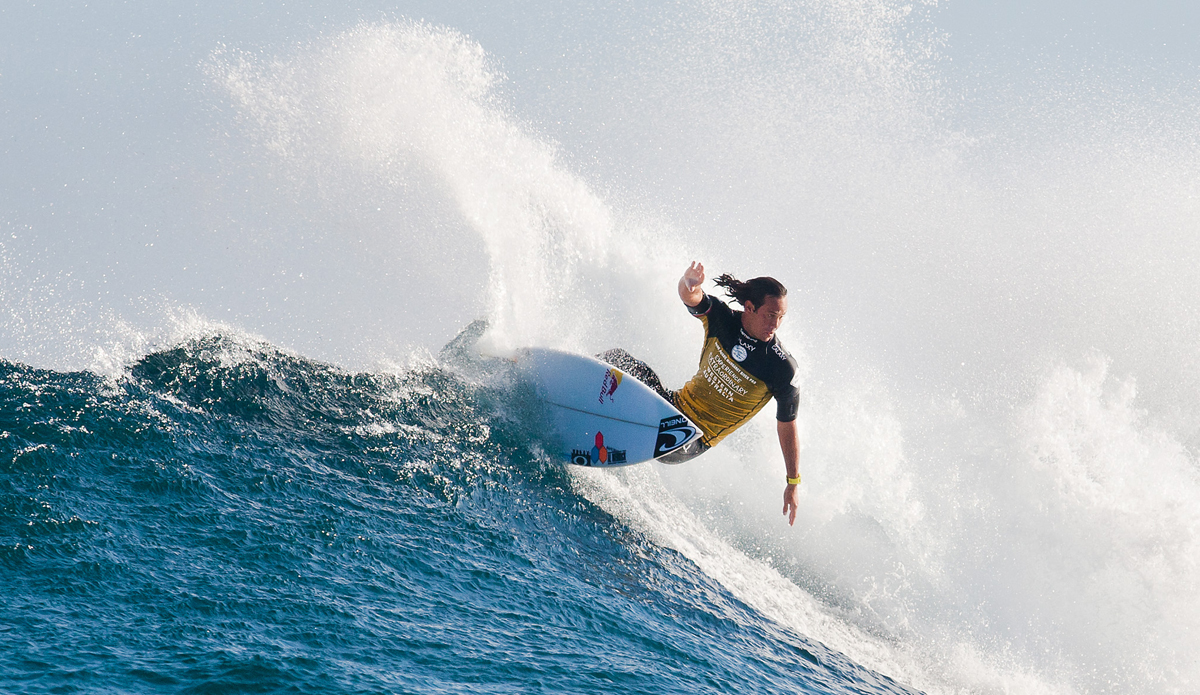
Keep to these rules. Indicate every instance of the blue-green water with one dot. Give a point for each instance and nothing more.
(227, 518)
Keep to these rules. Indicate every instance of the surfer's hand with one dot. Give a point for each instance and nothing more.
(689, 284)
(791, 502)
(693, 277)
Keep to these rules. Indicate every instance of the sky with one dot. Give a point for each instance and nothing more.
(991, 30)
(104, 107)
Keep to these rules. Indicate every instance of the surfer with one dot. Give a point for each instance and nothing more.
(742, 367)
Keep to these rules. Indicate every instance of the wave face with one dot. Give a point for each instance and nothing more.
(232, 237)
(230, 518)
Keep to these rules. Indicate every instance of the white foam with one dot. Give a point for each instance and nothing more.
(406, 96)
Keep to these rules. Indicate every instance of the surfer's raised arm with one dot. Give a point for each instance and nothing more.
(689, 285)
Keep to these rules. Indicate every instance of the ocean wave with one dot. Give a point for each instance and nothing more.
(229, 516)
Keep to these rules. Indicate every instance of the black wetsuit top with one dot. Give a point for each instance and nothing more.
(738, 375)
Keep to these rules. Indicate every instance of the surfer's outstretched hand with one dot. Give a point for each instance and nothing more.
(694, 275)
(689, 284)
(791, 502)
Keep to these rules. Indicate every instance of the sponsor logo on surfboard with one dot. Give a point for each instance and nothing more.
(612, 379)
(598, 455)
(673, 432)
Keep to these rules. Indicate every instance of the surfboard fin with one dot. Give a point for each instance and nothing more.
(461, 349)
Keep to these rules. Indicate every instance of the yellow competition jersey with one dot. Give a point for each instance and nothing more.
(738, 375)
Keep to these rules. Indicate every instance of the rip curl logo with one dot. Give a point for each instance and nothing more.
(673, 432)
(612, 379)
(739, 353)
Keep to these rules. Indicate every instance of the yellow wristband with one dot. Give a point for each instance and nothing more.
(794, 481)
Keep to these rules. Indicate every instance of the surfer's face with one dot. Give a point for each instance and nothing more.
(761, 322)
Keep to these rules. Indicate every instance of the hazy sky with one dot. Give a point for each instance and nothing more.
(1006, 30)
(107, 123)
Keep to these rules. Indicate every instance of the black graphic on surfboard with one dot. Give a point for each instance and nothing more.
(673, 432)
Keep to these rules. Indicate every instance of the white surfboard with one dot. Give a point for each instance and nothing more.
(600, 416)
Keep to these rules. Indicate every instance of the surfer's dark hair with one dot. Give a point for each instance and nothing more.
(754, 290)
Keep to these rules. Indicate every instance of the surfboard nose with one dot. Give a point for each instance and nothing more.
(598, 416)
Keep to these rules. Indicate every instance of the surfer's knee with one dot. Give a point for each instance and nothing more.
(615, 357)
